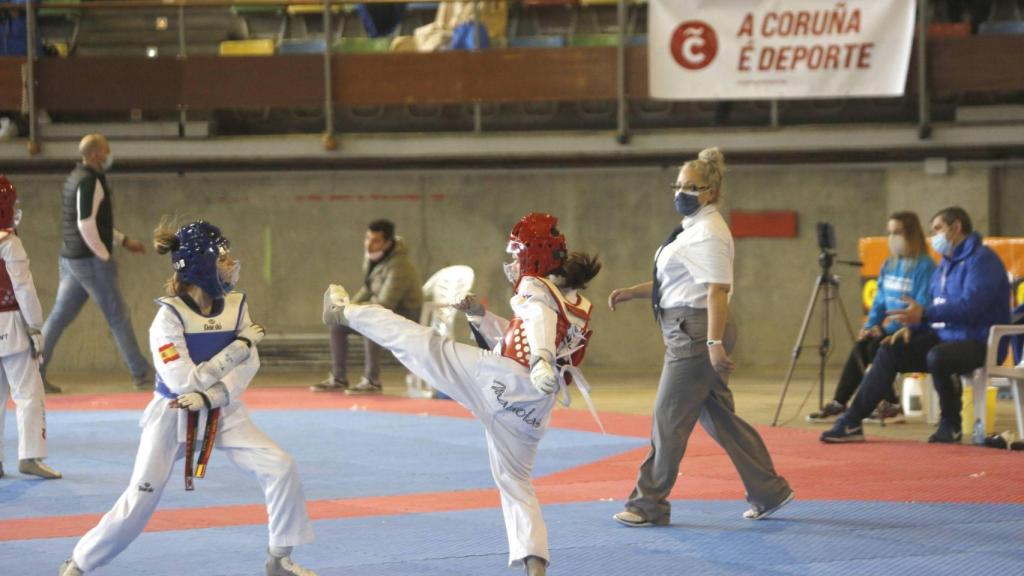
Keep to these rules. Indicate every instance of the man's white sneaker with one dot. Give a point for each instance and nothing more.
(69, 568)
(335, 300)
(286, 567)
(35, 467)
(755, 514)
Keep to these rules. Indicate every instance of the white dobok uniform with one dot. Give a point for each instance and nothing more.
(494, 384)
(181, 341)
(19, 369)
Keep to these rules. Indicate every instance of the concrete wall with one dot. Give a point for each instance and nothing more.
(1008, 186)
(297, 231)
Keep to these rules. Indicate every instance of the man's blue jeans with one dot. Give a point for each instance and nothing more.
(81, 279)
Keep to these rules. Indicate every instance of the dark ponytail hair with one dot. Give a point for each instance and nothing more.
(579, 269)
(165, 242)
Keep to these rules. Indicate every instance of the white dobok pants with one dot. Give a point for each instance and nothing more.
(19, 373)
(245, 445)
(498, 392)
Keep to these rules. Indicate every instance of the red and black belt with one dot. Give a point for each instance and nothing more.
(209, 434)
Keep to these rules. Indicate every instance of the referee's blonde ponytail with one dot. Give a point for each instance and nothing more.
(709, 166)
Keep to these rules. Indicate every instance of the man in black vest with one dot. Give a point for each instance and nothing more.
(87, 267)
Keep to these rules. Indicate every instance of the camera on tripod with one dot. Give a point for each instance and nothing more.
(826, 290)
(827, 245)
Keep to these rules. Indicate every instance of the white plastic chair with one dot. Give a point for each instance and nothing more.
(1012, 375)
(446, 287)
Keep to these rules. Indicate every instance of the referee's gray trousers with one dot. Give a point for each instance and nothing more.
(691, 390)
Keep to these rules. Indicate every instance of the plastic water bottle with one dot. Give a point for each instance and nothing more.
(979, 432)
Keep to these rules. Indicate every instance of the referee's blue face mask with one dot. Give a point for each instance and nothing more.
(687, 198)
(687, 203)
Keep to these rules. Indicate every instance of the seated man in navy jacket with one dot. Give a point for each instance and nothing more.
(970, 293)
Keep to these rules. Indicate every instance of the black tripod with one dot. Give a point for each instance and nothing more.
(826, 288)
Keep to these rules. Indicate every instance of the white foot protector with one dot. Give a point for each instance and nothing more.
(535, 566)
(335, 300)
(69, 568)
(35, 467)
(284, 566)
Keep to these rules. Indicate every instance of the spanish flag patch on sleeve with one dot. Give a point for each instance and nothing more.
(168, 353)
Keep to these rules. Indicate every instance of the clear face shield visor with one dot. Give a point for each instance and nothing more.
(511, 269)
(228, 269)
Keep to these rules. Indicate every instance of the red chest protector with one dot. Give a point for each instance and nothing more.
(8, 302)
(571, 337)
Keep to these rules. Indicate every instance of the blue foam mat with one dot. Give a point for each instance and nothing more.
(707, 537)
(340, 454)
(344, 454)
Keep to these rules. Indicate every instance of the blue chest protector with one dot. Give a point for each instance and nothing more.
(205, 336)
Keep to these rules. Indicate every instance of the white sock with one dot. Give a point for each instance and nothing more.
(280, 551)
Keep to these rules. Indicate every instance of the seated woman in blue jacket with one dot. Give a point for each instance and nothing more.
(907, 272)
(948, 337)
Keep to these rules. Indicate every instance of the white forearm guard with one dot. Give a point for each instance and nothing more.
(218, 395)
(214, 369)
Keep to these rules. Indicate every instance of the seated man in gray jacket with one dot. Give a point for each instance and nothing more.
(390, 280)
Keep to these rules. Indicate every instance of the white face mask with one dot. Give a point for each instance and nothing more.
(897, 245)
(511, 271)
(108, 163)
(17, 217)
(940, 244)
(229, 277)
(374, 256)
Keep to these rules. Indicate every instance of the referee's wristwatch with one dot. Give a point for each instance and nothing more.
(714, 343)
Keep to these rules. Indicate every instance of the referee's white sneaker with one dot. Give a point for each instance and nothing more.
(634, 520)
(755, 514)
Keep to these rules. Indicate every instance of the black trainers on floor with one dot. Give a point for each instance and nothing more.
(829, 413)
(840, 433)
(996, 441)
(365, 386)
(946, 434)
(330, 384)
(50, 387)
(887, 413)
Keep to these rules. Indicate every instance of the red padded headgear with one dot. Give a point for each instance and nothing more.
(8, 196)
(537, 245)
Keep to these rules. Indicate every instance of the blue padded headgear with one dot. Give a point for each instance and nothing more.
(200, 244)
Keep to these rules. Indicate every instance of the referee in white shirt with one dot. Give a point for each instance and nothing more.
(690, 296)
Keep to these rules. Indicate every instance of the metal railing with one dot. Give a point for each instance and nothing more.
(329, 139)
(624, 89)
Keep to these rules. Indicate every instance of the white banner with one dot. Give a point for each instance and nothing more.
(773, 49)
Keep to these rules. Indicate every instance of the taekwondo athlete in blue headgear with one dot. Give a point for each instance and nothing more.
(204, 347)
